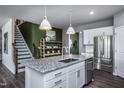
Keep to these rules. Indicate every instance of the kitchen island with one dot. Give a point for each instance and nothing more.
(55, 72)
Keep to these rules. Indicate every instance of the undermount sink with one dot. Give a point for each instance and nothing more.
(68, 60)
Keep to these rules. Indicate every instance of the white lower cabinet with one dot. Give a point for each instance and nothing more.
(62, 85)
(76, 76)
(80, 77)
(55, 82)
(72, 79)
(68, 77)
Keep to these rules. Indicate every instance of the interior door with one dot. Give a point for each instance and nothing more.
(119, 51)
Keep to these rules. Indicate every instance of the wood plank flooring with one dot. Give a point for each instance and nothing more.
(101, 80)
(104, 79)
(8, 80)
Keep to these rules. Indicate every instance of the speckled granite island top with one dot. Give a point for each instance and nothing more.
(49, 64)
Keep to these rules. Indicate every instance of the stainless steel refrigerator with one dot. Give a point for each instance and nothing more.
(103, 53)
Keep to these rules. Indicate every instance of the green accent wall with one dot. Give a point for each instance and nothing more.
(32, 35)
(75, 43)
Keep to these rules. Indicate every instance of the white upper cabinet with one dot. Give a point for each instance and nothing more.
(91, 33)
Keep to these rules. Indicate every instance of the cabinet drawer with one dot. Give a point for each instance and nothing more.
(55, 82)
(75, 66)
(54, 74)
(62, 85)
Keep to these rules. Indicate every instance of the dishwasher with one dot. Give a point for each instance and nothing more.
(88, 70)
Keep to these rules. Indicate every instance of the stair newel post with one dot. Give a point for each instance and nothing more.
(15, 57)
(16, 61)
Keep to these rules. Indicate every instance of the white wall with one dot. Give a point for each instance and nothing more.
(119, 19)
(7, 59)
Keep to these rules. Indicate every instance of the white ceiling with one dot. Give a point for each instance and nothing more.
(58, 15)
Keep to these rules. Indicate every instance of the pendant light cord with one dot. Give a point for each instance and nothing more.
(45, 10)
(70, 17)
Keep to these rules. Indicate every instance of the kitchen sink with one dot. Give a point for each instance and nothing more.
(68, 60)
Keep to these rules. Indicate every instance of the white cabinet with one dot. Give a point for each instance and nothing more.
(68, 77)
(62, 85)
(80, 77)
(91, 33)
(76, 76)
(88, 35)
(72, 79)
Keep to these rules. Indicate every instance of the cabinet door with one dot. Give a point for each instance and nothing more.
(72, 79)
(108, 31)
(103, 31)
(80, 77)
(91, 33)
(88, 37)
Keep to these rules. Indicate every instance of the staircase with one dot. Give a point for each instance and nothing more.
(22, 51)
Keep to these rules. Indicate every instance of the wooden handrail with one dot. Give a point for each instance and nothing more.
(15, 57)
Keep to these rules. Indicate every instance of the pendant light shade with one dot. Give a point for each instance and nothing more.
(70, 29)
(45, 24)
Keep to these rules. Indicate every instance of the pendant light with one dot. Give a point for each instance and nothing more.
(45, 24)
(70, 29)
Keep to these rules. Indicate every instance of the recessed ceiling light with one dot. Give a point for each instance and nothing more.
(91, 12)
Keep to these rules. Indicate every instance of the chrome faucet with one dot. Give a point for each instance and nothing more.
(64, 47)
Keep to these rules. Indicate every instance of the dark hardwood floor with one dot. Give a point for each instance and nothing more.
(101, 80)
(104, 79)
(8, 80)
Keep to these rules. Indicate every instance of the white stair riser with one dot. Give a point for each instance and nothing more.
(21, 70)
(22, 60)
(19, 41)
(19, 53)
(24, 56)
(21, 47)
(22, 44)
(18, 37)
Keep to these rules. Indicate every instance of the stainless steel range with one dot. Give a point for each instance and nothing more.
(103, 53)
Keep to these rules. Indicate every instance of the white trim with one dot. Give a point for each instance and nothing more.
(98, 28)
(115, 74)
(122, 26)
(116, 65)
(121, 74)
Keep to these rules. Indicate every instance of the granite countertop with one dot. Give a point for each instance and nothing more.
(49, 64)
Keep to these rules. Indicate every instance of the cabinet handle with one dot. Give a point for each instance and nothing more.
(58, 74)
(58, 82)
(78, 73)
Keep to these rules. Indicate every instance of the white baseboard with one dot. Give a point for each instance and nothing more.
(115, 74)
